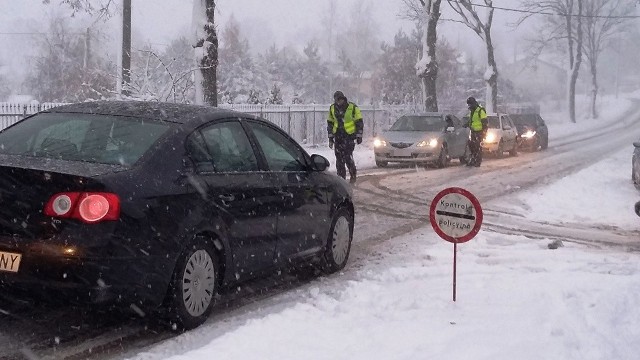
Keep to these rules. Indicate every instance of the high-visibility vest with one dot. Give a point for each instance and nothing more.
(351, 115)
(476, 117)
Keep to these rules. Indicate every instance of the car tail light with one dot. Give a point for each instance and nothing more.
(90, 207)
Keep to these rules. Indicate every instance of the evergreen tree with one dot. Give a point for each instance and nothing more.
(396, 82)
(275, 95)
(313, 76)
(237, 73)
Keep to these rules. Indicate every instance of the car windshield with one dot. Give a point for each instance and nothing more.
(418, 123)
(494, 122)
(82, 137)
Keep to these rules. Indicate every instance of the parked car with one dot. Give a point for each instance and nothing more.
(533, 133)
(501, 136)
(424, 138)
(635, 164)
(159, 206)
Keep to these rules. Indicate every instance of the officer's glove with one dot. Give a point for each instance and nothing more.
(330, 143)
(359, 139)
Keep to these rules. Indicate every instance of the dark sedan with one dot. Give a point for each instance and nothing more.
(159, 206)
(533, 133)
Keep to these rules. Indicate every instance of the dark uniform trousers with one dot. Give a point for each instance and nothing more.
(476, 148)
(344, 145)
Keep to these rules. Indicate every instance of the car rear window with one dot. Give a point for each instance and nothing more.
(82, 137)
(530, 120)
(418, 123)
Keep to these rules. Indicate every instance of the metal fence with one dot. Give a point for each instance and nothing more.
(305, 123)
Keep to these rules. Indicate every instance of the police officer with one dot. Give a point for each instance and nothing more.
(478, 125)
(344, 127)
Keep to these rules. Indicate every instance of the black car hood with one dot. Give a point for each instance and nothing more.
(78, 168)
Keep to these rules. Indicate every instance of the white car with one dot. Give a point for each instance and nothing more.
(502, 136)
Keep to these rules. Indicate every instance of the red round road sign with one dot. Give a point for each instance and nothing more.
(456, 215)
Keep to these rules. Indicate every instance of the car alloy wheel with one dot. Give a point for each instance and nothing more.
(339, 242)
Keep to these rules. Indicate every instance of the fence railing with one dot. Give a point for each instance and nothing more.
(305, 123)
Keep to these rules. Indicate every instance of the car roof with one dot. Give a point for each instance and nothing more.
(152, 110)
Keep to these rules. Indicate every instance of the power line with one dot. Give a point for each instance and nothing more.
(523, 11)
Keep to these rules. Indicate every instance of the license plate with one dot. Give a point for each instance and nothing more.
(402, 152)
(9, 261)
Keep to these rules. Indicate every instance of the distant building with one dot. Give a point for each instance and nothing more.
(538, 78)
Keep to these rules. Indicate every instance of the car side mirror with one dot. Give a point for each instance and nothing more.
(319, 162)
(506, 127)
(637, 208)
(636, 144)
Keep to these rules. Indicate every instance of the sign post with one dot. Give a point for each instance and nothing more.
(456, 216)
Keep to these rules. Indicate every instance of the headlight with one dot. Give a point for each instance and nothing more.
(528, 134)
(432, 143)
(379, 143)
(490, 138)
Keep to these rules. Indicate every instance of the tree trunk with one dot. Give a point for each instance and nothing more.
(206, 53)
(209, 62)
(576, 65)
(126, 48)
(491, 77)
(594, 90)
(428, 65)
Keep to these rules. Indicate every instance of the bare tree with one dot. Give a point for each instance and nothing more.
(603, 20)
(100, 7)
(427, 13)
(560, 26)
(206, 51)
(470, 17)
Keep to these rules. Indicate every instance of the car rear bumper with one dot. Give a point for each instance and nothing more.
(86, 280)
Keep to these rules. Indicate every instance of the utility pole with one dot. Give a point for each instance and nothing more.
(126, 47)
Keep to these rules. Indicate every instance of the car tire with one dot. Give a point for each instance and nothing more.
(338, 245)
(545, 143)
(381, 163)
(193, 288)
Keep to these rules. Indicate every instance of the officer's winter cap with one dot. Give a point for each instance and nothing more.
(339, 95)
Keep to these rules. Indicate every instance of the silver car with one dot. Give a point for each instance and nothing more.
(430, 138)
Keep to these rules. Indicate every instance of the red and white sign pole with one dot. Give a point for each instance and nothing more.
(455, 215)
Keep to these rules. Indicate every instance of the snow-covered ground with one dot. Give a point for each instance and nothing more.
(516, 298)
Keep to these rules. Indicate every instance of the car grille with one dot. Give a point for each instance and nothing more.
(401, 145)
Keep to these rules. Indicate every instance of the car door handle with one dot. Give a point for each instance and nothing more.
(226, 198)
(285, 193)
